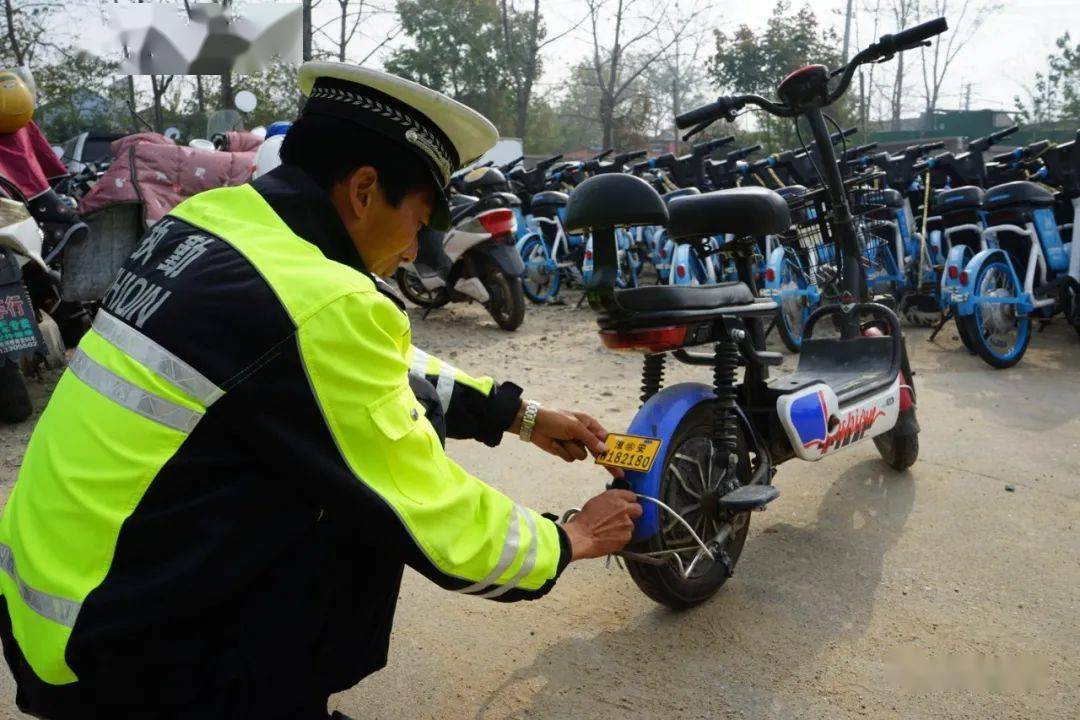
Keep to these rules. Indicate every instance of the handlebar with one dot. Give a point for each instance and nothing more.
(624, 158)
(548, 162)
(603, 154)
(928, 147)
(1031, 150)
(741, 153)
(985, 143)
(507, 166)
(710, 146)
(889, 45)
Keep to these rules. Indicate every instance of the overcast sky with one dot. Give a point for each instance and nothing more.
(998, 62)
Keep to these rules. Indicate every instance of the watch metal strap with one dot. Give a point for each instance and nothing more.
(528, 420)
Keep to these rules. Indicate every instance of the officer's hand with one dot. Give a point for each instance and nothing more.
(604, 524)
(570, 435)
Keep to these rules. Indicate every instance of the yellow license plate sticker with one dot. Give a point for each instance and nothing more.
(630, 452)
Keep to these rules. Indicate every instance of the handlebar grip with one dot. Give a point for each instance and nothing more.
(548, 162)
(603, 154)
(1011, 155)
(994, 137)
(640, 167)
(923, 149)
(703, 114)
(627, 157)
(913, 37)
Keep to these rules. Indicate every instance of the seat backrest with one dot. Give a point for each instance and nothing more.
(614, 200)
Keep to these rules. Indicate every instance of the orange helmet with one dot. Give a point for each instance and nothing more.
(16, 102)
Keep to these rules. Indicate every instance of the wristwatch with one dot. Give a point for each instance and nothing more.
(528, 420)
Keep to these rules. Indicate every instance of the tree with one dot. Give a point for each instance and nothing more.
(352, 15)
(754, 62)
(1054, 95)
(453, 51)
(620, 31)
(937, 58)
(680, 74)
(27, 30)
(77, 93)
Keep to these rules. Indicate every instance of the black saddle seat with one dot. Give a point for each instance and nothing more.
(509, 198)
(483, 180)
(457, 200)
(681, 192)
(550, 199)
(614, 200)
(791, 192)
(691, 297)
(967, 197)
(739, 211)
(888, 197)
(479, 205)
(1018, 194)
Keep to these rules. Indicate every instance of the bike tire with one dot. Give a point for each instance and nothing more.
(976, 324)
(539, 293)
(410, 293)
(965, 335)
(899, 453)
(664, 584)
(507, 303)
(791, 336)
(15, 405)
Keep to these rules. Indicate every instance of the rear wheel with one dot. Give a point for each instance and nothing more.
(507, 302)
(692, 481)
(1000, 335)
(965, 335)
(899, 453)
(15, 403)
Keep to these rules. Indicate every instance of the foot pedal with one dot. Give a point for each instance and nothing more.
(749, 497)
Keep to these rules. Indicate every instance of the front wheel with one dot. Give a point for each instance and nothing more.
(692, 481)
(794, 303)
(1000, 335)
(506, 303)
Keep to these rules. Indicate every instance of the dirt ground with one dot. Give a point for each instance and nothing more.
(949, 591)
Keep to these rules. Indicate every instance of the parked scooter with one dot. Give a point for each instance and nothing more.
(702, 457)
(474, 261)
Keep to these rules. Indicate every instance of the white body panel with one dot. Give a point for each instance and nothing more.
(817, 425)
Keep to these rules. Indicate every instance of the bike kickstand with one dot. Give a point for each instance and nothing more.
(945, 317)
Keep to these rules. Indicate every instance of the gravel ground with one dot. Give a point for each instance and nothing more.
(949, 591)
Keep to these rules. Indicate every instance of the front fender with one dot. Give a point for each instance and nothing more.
(506, 257)
(659, 418)
(680, 260)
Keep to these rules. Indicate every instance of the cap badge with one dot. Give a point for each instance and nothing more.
(415, 133)
(426, 143)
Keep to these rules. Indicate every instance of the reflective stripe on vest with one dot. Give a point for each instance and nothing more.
(131, 396)
(48, 606)
(156, 357)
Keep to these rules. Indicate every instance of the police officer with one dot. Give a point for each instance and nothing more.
(214, 511)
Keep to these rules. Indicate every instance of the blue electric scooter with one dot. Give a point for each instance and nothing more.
(719, 444)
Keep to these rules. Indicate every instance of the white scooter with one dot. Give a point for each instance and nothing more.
(474, 261)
